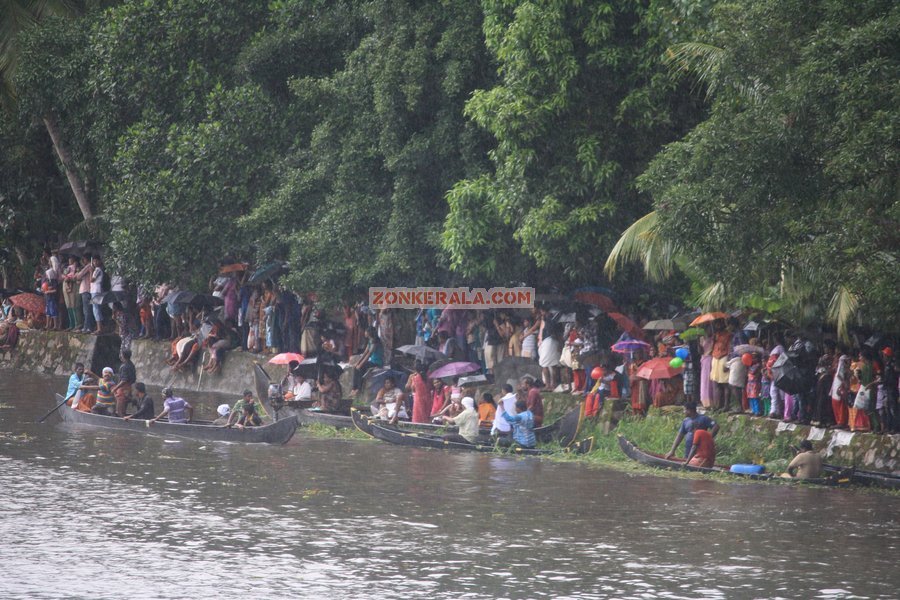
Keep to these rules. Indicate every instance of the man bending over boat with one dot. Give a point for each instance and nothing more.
(466, 421)
(145, 403)
(692, 422)
(523, 425)
(177, 409)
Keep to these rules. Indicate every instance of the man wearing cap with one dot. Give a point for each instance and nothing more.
(224, 412)
(178, 409)
(106, 403)
(145, 403)
(807, 464)
(466, 421)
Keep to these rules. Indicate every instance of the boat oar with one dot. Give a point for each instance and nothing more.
(55, 408)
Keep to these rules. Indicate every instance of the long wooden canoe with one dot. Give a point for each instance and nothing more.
(279, 432)
(657, 460)
(423, 440)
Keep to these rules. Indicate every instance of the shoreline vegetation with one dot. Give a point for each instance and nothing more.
(654, 432)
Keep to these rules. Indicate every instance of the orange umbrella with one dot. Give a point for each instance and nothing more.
(233, 268)
(708, 317)
(627, 325)
(658, 368)
(30, 302)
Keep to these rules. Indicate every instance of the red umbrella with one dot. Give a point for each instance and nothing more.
(233, 268)
(285, 358)
(708, 317)
(627, 325)
(597, 298)
(30, 302)
(658, 368)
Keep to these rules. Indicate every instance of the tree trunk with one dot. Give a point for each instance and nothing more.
(75, 181)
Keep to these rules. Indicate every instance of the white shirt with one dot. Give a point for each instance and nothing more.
(97, 281)
(302, 391)
(507, 405)
(737, 372)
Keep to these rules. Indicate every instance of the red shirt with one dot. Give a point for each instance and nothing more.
(536, 405)
(706, 447)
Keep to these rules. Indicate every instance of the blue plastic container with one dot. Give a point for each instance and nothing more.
(747, 469)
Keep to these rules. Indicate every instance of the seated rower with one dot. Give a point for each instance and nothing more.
(507, 405)
(390, 402)
(807, 464)
(144, 402)
(466, 421)
(248, 417)
(487, 410)
(237, 411)
(106, 403)
(703, 450)
(76, 379)
(177, 409)
(523, 425)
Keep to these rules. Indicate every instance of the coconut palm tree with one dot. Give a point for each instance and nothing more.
(17, 16)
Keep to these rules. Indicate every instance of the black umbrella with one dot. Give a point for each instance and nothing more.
(789, 377)
(179, 297)
(266, 272)
(312, 368)
(82, 248)
(206, 301)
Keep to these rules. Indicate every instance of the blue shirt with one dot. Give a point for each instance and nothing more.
(74, 384)
(689, 425)
(523, 428)
(176, 407)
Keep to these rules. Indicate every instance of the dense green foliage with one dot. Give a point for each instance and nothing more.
(453, 141)
(790, 186)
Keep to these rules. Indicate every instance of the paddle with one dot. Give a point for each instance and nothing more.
(55, 408)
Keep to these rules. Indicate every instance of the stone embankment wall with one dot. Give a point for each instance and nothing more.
(867, 451)
(54, 353)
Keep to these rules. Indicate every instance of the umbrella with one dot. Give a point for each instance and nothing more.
(665, 325)
(374, 380)
(626, 324)
(179, 297)
(708, 318)
(420, 352)
(626, 346)
(658, 368)
(82, 248)
(751, 326)
(749, 348)
(788, 377)
(233, 268)
(205, 301)
(471, 380)
(455, 368)
(692, 333)
(873, 341)
(285, 358)
(266, 272)
(565, 317)
(105, 298)
(317, 365)
(30, 302)
(596, 295)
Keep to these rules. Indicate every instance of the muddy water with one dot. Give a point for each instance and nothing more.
(87, 513)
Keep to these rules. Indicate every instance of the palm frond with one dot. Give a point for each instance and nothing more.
(841, 310)
(642, 242)
(713, 297)
(704, 61)
(96, 228)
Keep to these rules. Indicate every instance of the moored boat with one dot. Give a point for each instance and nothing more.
(424, 440)
(279, 432)
(841, 477)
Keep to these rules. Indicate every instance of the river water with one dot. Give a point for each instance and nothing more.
(89, 513)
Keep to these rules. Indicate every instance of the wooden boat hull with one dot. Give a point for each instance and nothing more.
(887, 481)
(423, 440)
(655, 460)
(279, 432)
